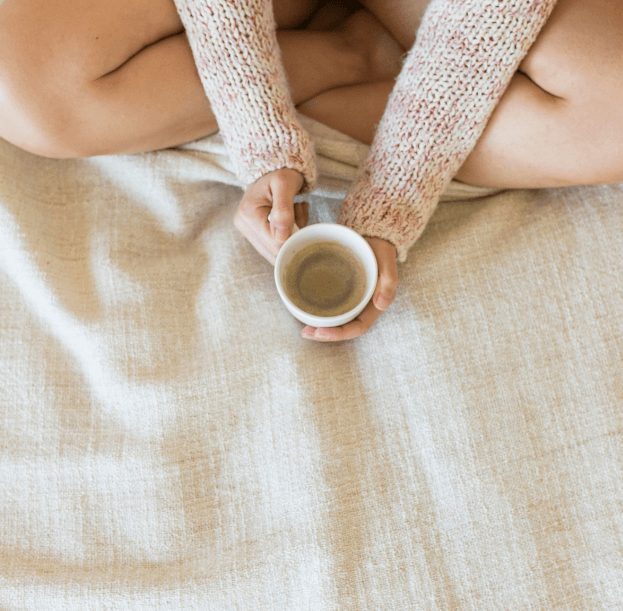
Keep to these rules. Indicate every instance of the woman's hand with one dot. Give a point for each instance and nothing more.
(271, 194)
(384, 294)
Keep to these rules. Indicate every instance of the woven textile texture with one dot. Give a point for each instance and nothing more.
(169, 442)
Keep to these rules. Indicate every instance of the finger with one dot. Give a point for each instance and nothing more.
(282, 213)
(252, 216)
(351, 330)
(253, 211)
(256, 239)
(385, 291)
(259, 245)
(301, 213)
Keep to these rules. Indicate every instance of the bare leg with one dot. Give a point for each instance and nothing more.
(172, 108)
(354, 111)
(116, 88)
(558, 123)
(573, 134)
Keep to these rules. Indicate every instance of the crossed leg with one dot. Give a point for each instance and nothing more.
(88, 78)
(559, 121)
(118, 77)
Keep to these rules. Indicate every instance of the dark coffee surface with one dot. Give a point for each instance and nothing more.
(325, 279)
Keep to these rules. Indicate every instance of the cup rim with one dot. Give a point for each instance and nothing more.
(326, 321)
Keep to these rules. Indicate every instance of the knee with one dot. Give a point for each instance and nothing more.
(36, 122)
(33, 111)
(37, 130)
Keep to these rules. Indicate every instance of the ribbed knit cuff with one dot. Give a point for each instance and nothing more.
(294, 151)
(369, 211)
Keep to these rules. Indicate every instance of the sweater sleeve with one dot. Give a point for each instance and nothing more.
(464, 56)
(235, 48)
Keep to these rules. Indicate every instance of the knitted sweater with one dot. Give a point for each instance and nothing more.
(463, 59)
(235, 48)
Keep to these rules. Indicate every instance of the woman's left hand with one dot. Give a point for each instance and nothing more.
(272, 194)
(384, 294)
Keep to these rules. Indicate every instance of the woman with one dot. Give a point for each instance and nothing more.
(88, 78)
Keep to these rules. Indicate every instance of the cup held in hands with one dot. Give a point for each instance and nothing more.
(326, 274)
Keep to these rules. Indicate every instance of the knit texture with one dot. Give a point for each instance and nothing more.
(235, 49)
(464, 57)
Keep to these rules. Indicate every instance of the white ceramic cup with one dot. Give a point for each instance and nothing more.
(326, 232)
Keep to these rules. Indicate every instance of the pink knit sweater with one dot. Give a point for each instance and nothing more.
(464, 57)
(234, 44)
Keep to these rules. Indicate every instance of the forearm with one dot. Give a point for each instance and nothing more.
(464, 57)
(236, 52)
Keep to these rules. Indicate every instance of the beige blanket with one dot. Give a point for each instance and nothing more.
(168, 441)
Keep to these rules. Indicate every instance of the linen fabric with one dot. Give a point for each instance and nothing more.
(168, 441)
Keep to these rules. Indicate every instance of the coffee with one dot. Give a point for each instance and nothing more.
(325, 279)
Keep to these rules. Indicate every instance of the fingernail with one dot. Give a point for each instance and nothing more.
(322, 334)
(382, 303)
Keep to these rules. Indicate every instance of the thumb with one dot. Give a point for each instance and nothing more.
(387, 284)
(282, 212)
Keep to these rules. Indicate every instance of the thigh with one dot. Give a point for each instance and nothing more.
(578, 54)
(559, 122)
(63, 40)
(578, 59)
(85, 39)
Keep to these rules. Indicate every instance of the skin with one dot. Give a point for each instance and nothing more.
(85, 78)
(273, 194)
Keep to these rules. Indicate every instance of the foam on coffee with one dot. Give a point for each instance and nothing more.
(325, 279)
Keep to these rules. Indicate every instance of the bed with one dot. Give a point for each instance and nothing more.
(169, 441)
